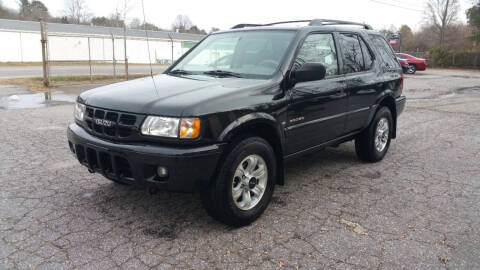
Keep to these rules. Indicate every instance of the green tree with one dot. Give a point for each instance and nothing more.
(32, 10)
(473, 15)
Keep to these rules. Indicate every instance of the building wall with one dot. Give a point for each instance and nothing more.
(26, 47)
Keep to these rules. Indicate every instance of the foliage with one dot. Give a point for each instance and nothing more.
(440, 56)
(473, 15)
(32, 10)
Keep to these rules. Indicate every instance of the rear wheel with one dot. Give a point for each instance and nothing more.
(373, 143)
(411, 69)
(245, 183)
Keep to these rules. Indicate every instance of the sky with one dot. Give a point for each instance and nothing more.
(224, 14)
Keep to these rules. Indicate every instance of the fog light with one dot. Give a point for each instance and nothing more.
(162, 171)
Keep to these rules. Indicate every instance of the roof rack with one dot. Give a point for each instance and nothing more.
(314, 22)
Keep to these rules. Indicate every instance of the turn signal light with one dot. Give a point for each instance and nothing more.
(190, 128)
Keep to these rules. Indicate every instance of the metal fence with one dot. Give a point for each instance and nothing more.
(117, 55)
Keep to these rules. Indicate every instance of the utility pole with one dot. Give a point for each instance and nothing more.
(43, 40)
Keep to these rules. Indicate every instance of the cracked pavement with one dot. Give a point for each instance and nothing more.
(417, 209)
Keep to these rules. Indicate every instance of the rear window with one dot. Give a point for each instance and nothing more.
(352, 53)
(385, 51)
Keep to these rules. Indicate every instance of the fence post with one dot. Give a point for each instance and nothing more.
(125, 50)
(171, 41)
(43, 40)
(89, 60)
(113, 58)
(21, 47)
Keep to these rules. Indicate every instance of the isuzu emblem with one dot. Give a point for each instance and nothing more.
(103, 122)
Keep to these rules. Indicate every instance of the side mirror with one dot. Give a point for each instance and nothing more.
(309, 72)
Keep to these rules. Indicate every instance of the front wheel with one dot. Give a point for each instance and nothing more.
(373, 143)
(245, 183)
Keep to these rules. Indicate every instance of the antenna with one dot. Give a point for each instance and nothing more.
(148, 43)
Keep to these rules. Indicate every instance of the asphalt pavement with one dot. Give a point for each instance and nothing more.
(419, 208)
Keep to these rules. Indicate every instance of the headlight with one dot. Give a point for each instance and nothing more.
(79, 111)
(161, 126)
(187, 128)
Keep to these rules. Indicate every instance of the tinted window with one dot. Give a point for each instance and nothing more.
(352, 53)
(319, 48)
(367, 56)
(385, 51)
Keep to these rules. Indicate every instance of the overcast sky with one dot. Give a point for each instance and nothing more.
(224, 14)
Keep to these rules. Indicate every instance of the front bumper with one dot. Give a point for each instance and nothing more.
(138, 163)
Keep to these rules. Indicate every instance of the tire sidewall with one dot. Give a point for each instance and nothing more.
(249, 146)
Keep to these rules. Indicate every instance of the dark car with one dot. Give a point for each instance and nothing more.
(404, 63)
(227, 115)
(414, 63)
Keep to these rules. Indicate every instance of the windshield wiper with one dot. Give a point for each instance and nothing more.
(180, 72)
(222, 73)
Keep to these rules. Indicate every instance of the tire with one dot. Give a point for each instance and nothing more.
(411, 69)
(366, 142)
(218, 197)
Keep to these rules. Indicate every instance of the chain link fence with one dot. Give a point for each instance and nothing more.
(109, 53)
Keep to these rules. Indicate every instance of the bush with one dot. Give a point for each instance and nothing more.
(442, 57)
(439, 56)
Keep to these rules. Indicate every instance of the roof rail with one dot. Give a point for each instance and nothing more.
(314, 22)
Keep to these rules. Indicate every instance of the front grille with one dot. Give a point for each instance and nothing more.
(123, 125)
(110, 165)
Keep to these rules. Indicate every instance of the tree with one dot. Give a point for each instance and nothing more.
(32, 10)
(442, 14)
(473, 15)
(6, 13)
(181, 23)
(214, 29)
(77, 11)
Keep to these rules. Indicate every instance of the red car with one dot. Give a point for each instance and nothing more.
(414, 63)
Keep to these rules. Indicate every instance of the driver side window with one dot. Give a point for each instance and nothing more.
(319, 48)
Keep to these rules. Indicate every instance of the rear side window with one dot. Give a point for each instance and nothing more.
(385, 51)
(367, 56)
(319, 48)
(352, 53)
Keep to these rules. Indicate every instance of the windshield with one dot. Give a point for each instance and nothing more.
(240, 54)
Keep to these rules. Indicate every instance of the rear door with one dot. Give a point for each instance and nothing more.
(360, 79)
(316, 109)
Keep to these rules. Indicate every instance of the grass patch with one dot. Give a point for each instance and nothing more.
(36, 83)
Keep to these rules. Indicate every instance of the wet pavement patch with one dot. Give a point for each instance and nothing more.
(168, 231)
(37, 100)
(278, 201)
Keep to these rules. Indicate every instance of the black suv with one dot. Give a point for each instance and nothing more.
(226, 116)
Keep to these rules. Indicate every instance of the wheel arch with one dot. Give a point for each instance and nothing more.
(389, 102)
(257, 124)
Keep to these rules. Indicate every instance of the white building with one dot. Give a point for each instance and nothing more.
(20, 42)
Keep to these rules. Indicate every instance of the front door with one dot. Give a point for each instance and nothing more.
(316, 111)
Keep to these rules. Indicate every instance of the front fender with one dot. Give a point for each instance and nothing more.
(247, 120)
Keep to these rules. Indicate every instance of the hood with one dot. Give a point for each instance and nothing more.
(165, 94)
